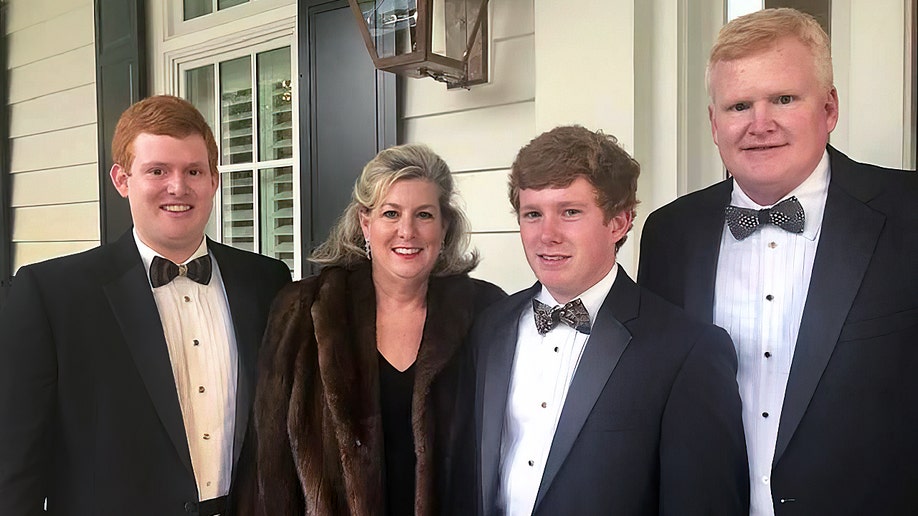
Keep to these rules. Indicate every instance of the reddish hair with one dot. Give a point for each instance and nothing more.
(162, 115)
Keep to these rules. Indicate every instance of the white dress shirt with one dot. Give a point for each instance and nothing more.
(202, 349)
(759, 295)
(543, 368)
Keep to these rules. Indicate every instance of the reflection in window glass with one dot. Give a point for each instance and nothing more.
(199, 90)
(256, 204)
(275, 111)
(276, 213)
(196, 8)
(236, 111)
(239, 210)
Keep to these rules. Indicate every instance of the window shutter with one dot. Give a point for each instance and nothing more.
(120, 81)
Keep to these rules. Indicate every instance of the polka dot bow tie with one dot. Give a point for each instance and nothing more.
(163, 271)
(573, 314)
(787, 215)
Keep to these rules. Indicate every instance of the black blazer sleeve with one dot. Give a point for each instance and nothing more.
(702, 447)
(28, 386)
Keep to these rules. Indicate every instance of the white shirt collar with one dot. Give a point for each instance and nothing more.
(592, 298)
(147, 254)
(811, 193)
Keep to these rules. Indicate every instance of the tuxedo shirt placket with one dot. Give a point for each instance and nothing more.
(760, 291)
(202, 350)
(543, 369)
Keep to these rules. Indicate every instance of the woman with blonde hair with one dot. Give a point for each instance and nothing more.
(358, 371)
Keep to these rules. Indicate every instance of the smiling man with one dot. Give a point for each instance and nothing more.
(127, 371)
(594, 396)
(807, 259)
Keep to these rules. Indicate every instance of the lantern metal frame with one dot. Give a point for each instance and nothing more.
(422, 60)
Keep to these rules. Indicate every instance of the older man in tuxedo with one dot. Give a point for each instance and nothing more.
(807, 259)
(592, 395)
(126, 372)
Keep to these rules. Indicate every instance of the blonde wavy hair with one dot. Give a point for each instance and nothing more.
(345, 244)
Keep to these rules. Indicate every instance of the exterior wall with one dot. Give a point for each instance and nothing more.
(634, 70)
(52, 98)
(478, 132)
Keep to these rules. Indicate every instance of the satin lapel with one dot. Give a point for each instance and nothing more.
(702, 251)
(850, 230)
(608, 340)
(131, 300)
(242, 297)
(493, 389)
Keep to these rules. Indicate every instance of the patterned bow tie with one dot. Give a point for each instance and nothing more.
(163, 271)
(573, 314)
(787, 215)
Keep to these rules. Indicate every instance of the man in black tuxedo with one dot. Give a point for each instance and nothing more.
(126, 372)
(807, 259)
(594, 396)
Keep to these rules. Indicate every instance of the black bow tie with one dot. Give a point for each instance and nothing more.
(787, 215)
(162, 271)
(573, 314)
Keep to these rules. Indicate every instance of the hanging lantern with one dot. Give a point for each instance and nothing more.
(441, 39)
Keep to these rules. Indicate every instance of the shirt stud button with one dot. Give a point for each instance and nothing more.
(186, 299)
(544, 405)
(195, 342)
(531, 463)
(769, 297)
(772, 245)
(201, 388)
(764, 414)
(206, 437)
(556, 349)
(767, 354)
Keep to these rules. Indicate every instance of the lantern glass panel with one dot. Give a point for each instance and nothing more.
(392, 25)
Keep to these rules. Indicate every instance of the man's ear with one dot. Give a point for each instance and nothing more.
(621, 224)
(120, 179)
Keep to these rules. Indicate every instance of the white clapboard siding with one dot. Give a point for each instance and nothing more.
(485, 199)
(62, 110)
(502, 261)
(58, 35)
(25, 13)
(53, 130)
(56, 149)
(57, 223)
(513, 67)
(479, 131)
(58, 73)
(25, 253)
(79, 183)
(511, 18)
(481, 139)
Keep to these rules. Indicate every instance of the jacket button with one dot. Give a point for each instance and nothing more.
(358, 443)
(191, 507)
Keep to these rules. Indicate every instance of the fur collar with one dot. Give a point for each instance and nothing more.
(334, 394)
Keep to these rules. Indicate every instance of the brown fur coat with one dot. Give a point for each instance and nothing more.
(317, 409)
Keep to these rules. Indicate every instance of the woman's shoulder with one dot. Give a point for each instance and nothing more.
(462, 287)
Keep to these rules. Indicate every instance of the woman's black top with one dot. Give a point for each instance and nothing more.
(395, 393)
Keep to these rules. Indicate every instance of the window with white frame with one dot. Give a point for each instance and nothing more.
(196, 8)
(248, 98)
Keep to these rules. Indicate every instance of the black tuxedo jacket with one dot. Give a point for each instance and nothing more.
(848, 435)
(89, 414)
(652, 422)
